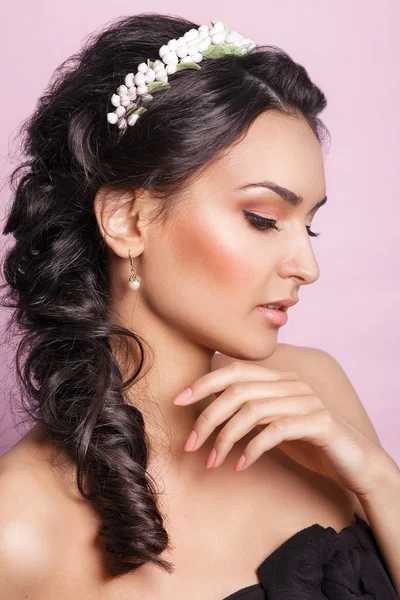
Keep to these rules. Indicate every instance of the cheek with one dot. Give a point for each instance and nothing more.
(221, 256)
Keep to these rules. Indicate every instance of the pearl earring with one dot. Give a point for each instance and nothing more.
(134, 280)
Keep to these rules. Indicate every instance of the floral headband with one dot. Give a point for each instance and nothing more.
(184, 53)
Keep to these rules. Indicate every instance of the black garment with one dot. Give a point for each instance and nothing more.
(318, 563)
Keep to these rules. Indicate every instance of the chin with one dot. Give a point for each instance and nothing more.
(250, 353)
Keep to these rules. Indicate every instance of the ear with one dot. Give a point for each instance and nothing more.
(120, 219)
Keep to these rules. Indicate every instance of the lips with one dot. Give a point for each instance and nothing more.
(275, 307)
(284, 304)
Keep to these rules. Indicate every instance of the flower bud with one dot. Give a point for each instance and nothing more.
(173, 45)
(116, 100)
(139, 79)
(143, 68)
(112, 118)
(170, 58)
(129, 80)
(163, 50)
(182, 51)
(170, 69)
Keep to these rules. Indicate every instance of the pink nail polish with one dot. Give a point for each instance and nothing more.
(184, 396)
(240, 463)
(190, 442)
(211, 458)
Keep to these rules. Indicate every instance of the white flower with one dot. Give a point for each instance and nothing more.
(163, 50)
(170, 58)
(160, 75)
(170, 69)
(143, 68)
(142, 89)
(182, 51)
(129, 80)
(150, 76)
(246, 44)
(203, 35)
(192, 49)
(219, 26)
(218, 38)
(132, 92)
(244, 41)
(186, 59)
(197, 58)
(112, 118)
(133, 118)
(116, 100)
(231, 37)
(156, 64)
(158, 67)
(139, 79)
(186, 49)
(192, 34)
(173, 45)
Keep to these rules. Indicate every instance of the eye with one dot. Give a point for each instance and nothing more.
(262, 224)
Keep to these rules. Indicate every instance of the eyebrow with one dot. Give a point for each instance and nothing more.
(287, 195)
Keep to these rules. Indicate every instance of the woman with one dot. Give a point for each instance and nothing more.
(144, 258)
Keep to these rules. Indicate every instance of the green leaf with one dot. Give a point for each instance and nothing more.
(135, 111)
(140, 110)
(221, 50)
(157, 86)
(150, 63)
(187, 65)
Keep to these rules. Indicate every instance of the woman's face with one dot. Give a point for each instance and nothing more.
(207, 270)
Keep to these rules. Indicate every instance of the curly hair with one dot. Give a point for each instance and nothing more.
(56, 271)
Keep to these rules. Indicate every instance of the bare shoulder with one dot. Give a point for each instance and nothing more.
(46, 528)
(38, 511)
(24, 548)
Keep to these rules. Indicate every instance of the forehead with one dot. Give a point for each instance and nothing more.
(276, 147)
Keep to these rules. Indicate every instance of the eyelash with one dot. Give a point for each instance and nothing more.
(262, 224)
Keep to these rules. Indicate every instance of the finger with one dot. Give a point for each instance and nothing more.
(311, 428)
(260, 412)
(218, 380)
(237, 394)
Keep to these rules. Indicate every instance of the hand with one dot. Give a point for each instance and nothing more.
(285, 407)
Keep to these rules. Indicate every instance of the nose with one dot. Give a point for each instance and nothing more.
(300, 262)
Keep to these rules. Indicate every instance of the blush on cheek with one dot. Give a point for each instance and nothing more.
(221, 258)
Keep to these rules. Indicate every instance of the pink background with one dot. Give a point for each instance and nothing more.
(351, 50)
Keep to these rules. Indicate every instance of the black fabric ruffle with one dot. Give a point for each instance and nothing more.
(317, 563)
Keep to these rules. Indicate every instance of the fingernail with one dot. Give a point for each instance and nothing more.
(184, 396)
(240, 463)
(211, 459)
(190, 442)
